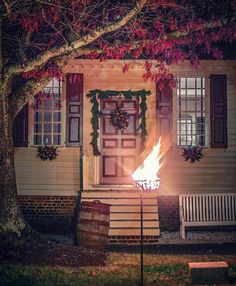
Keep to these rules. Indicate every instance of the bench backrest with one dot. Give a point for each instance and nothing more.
(208, 207)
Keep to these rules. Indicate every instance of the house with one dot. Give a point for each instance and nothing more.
(201, 110)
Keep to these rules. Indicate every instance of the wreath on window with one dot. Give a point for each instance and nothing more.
(119, 118)
(192, 153)
(46, 152)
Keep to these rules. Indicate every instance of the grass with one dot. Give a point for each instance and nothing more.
(121, 269)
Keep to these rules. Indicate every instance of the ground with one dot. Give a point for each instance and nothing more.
(68, 265)
(121, 269)
(43, 251)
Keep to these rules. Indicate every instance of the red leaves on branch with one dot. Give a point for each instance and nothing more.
(159, 74)
(125, 68)
(74, 78)
(42, 97)
(138, 52)
(50, 71)
(31, 24)
(173, 24)
(165, 31)
(159, 27)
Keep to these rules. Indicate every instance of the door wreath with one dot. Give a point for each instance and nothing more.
(119, 118)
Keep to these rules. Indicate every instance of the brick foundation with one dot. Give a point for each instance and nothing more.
(57, 214)
(168, 209)
(147, 239)
(50, 214)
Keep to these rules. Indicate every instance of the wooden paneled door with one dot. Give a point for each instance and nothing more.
(119, 149)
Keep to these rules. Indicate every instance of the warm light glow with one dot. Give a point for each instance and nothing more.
(145, 176)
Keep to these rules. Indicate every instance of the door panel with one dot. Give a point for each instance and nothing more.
(119, 149)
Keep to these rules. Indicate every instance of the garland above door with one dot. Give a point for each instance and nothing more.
(96, 94)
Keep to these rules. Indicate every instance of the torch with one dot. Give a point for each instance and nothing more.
(145, 180)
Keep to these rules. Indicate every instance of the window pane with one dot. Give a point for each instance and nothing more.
(199, 82)
(47, 139)
(182, 82)
(57, 139)
(37, 139)
(191, 116)
(191, 105)
(47, 116)
(55, 83)
(38, 116)
(48, 104)
(56, 116)
(37, 128)
(47, 128)
(190, 82)
(191, 93)
(182, 105)
(57, 128)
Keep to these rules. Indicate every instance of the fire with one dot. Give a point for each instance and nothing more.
(145, 176)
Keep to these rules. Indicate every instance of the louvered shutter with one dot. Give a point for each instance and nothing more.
(20, 128)
(74, 95)
(164, 108)
(218, 85)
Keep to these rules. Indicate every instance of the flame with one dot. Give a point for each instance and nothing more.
(148, 170)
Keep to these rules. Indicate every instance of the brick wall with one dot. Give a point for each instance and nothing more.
(133, 239)
(50, 214)
(168, 209)
(57, 214)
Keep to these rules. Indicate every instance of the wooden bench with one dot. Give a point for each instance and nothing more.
(206, 210)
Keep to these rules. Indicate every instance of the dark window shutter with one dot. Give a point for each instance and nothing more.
(164, 108)
(20, 128)
(74, 96)
(218, 92)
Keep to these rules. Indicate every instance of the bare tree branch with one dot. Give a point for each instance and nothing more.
(26, 93)
(66, 48)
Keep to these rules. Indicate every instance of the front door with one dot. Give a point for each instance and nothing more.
(119, 149)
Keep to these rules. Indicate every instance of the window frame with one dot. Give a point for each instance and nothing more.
(206, 111)
(51, 122)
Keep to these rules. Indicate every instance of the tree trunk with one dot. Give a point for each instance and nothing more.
(11, 218)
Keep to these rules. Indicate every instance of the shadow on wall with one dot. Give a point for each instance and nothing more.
(51, 215)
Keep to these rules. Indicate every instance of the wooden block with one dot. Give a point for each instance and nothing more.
(208, 272)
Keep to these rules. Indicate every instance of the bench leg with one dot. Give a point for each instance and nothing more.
(182, 231)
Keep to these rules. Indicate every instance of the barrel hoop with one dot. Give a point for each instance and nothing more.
(95, 210)
(94, 233)
(96, 222)
(96, 205)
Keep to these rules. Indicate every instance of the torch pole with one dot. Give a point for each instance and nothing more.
(141, 238)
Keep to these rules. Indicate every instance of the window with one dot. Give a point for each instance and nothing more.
(47, 116)
(191, 120)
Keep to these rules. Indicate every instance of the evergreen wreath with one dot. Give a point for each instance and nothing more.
(119, 118)
(96, 94)
(192, 153)
(47, 152)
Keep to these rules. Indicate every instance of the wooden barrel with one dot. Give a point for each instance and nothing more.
(93, 225)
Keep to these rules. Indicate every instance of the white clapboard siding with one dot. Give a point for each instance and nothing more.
(59, 177)
(125, 211)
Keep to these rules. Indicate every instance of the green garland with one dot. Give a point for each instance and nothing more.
(96, 94)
